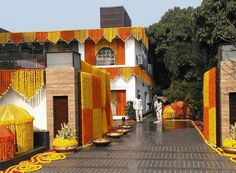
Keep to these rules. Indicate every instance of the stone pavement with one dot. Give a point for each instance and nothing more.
(148, 148)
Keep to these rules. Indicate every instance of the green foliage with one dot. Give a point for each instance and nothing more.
(174, 46)
(215, 22)
(233, 131)
(129, 108)
(66, 132)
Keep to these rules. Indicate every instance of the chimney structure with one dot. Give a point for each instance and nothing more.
(114, 17)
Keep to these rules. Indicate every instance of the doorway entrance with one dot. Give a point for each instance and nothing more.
(118, 100)
(60, 112)
(232, 108)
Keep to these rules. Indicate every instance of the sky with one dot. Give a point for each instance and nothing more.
(51, 15)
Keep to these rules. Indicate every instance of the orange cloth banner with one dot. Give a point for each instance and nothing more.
(80, 35)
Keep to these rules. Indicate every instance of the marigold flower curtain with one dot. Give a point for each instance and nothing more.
(25, 82)
(80, 35)
(127, 72)
(209, 100)
(95, 102)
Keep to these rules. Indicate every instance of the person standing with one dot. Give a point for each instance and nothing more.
(158, 107)
(138, 106)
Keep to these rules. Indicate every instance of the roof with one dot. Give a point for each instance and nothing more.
(3, 30)
(80, 35)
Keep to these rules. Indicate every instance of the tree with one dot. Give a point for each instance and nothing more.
(176, 51)
(215, 22)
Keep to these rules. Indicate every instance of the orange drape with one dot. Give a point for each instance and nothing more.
(6, 144)
(95, 34)
(16, 37)
(90, 52)
(80, 35)
(120, 52)
(41, 36)
(5, 80)
(212, 88)
(87, 125)
(206, 122)
(124, 33)
(112, 72)
(121, 102)
(67, 36)
(96, 90)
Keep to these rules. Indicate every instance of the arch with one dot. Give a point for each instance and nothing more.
(105, 56)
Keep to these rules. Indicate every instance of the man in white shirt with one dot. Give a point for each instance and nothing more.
(138, 106)
(158, 107)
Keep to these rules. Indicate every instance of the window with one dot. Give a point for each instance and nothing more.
(105, 56)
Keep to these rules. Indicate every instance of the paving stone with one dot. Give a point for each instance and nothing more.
(148, 148)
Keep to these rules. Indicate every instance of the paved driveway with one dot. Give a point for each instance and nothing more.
(150, 148)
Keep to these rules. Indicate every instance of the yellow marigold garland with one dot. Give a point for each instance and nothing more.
(34, 163)
(28, 82)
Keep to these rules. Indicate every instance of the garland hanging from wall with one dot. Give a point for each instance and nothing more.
(5, 81)
(25, 82)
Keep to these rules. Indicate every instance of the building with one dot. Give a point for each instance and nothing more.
(120, 51)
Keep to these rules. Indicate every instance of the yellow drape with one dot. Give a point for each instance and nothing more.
(54, 36)
(110, 33)
(29, 36)
(86, 90)
(4, 37)
(81, 35)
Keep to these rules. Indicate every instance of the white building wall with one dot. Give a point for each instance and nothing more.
(38, 111)
(130, 56)
(145, 93)
(81, 50)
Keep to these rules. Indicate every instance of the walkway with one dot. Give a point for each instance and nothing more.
(149, 148)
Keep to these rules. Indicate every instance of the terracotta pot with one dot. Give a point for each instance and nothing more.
(229, 150)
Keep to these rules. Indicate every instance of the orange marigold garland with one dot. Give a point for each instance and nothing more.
(5, 81)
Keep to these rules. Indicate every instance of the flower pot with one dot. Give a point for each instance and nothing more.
(101, 142)
(229, 150)
(65, 148)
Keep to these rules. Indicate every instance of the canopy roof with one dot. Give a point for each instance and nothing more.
(12, 114)
(80, 35)
(6, 132)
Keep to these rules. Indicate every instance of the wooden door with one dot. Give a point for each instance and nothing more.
(60, 112)
(232, 107)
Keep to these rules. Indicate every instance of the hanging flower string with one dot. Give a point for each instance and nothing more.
(27, 82)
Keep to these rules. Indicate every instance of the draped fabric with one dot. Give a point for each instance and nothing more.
(80, 35)
(89, 47)
(95, 101)
(127, 72)
(6, 144)
(5, 81)
(27, 82)
(20, 122)
(209, 100)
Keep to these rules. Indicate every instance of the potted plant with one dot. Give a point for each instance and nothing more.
(65, 140)
(130, 110)
(229, 144)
